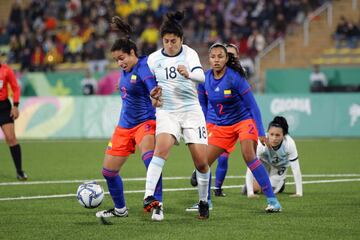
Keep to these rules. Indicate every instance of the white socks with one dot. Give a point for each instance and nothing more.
(203, 184)
(153, 175)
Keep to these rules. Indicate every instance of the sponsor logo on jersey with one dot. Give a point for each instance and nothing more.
(354, 112)
(217, 89)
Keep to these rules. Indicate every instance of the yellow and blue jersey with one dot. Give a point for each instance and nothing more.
(135, 87)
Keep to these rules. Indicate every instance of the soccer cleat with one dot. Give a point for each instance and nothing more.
(203, 210)
(273, 206)
(218, 192)
(244, 190)
(195, 207)
(149, 203)
(193, 180)
(112, 213)
(158, 213)
(21, 176)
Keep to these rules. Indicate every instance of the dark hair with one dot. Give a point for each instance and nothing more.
(232, 62)
(172, 24)
(124, 43)
(233, 46)
(280, 122)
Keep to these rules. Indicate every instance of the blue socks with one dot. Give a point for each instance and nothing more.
(262, 177)
(146, 157)
(115, 186)
(221, 169)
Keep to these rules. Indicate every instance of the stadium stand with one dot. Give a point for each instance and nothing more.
(49, 35)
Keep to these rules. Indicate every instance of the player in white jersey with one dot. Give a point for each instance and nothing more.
(177, 70)
(277, 156)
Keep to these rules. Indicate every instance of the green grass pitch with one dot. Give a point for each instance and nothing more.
(329, 209)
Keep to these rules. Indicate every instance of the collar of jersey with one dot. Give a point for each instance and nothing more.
(163, 53)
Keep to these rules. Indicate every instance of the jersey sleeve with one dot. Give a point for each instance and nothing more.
(193, 60)
(151, 63)
(291, 149)
(147, 77)
(245, 91)
(260, 149)
(14, 86)
(202, 98)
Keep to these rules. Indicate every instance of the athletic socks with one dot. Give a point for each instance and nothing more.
(146, 157)
(262, 177)
(115, 185)
(221, 169)
(153, 175)
(203, 184)
(16, 156)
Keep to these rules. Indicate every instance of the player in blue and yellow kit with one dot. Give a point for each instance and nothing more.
(136, 125)
(238, 117)
(222, 165)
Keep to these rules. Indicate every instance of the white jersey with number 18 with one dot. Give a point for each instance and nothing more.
(179, 94)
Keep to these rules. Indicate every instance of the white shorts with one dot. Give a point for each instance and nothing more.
(277, 176)
(190, 126)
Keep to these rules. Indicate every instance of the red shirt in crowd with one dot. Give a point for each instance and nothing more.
(7, 76)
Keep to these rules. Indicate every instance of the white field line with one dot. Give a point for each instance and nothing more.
(164, 178)
(173, 189)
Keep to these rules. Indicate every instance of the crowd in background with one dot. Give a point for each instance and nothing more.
(45, 33)
(347, 33)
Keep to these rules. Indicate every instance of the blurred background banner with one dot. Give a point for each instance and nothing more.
(309, 115)
(315, 115)
(67, 117)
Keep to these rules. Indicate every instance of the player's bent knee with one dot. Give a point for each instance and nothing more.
(202, 167)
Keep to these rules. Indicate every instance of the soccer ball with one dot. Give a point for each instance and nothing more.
(90, 194)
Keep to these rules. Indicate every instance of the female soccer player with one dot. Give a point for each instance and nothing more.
(177, 69)
(10, 113)
(137, 119)
(222, 165)
(238, 116)
(277, 157)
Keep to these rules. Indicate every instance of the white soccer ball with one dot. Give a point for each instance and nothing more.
(90, 194)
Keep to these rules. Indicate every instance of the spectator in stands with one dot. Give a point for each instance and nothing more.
(352, 35)
(88, 84)
(318, 80)
(149, 37)
(341, 32)
(256, 43)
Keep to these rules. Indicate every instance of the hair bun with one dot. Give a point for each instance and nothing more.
(175, 16)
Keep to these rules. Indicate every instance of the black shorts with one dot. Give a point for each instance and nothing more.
(5, 109)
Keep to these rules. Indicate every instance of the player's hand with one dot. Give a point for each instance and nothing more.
(14, 113)
(253, 196)
(264, 141)
(183, 71)
(156, 103)
(156, 93)
(295, 195)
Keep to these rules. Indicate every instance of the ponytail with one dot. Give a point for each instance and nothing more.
(280, 121)
(124, 43)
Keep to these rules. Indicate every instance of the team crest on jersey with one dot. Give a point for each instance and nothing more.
(133, 78)
(227, 93)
